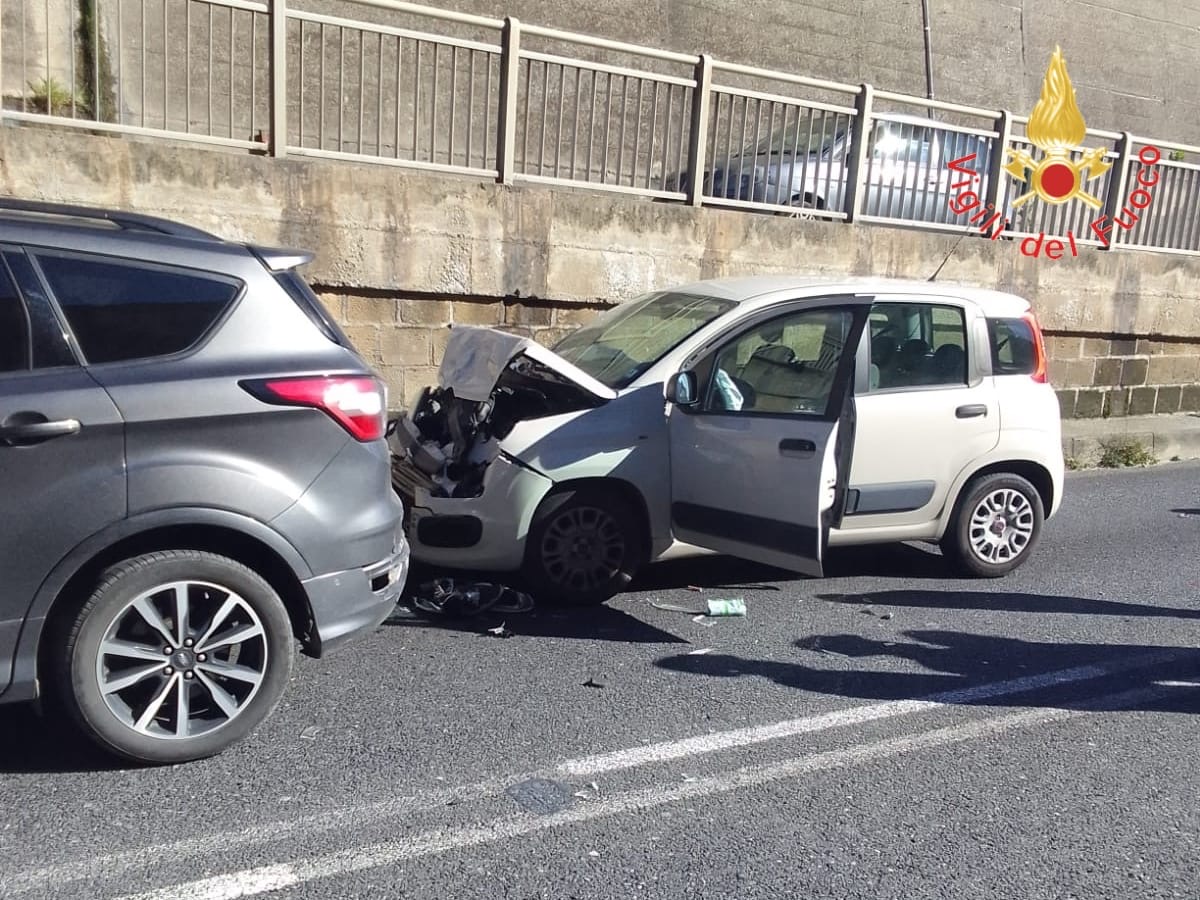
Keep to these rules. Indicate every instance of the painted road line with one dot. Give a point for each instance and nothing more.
(108, 865)
(855, 715)
(266, 879)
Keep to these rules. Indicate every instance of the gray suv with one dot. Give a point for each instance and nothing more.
(194, 478)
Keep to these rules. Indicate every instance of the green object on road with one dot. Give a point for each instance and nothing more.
(734, 607)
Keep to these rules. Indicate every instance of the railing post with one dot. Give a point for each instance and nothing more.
(510, 77)
(856, 171)
(278, 66)
(995, 165)
(698, 136)
(1118, 186)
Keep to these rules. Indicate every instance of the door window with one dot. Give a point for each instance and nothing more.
(14, 327)
(122, 311)
(784, 366)
(917, 345)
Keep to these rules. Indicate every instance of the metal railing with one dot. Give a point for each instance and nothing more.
(429, 88)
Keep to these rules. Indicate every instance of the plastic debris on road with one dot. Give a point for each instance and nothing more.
(717, 607)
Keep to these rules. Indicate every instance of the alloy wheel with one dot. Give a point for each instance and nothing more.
(181, 660)
(1001, 526)
(583, 548)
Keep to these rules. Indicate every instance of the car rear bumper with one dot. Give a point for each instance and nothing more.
(348, 603)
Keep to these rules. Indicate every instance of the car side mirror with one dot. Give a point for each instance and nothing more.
(681, 389)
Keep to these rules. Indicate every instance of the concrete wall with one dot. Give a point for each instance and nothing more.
(402, 253)
(1133, 63)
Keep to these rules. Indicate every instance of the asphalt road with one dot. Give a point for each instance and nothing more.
(884, 732)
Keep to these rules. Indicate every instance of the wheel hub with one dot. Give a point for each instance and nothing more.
(184, 660)
(999, 526)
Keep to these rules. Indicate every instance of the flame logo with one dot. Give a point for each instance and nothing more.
(1056, 127)
(1056, 122)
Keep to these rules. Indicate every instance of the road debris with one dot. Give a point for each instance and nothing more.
(701, 652)
(446, 597)
(595, 682)
(717, 607)
(500, 631)
(734, 607)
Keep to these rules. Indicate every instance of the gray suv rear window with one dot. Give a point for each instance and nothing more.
(121, 311)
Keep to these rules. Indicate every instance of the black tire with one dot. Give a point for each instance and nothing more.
(612, 546)
(996, 525)
(216, 586)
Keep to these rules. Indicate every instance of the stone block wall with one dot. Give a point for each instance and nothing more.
(1103, 377)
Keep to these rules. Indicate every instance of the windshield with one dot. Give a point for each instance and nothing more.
(809, 135)
(625, 341)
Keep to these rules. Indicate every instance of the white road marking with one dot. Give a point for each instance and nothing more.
(254, 882)
(109, 865)
(855, 715)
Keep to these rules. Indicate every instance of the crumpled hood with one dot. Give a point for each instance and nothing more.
(476, 357)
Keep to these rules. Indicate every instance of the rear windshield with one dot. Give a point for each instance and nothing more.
(1014, 351)
(297, 288)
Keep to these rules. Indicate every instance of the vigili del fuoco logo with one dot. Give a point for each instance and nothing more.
(1056, 127)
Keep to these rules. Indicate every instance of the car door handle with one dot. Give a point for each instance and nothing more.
(798, 447)
(36, 432)
(971, 411)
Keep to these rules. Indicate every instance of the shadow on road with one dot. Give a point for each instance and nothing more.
(36, 743)
(951, 661)
(1032, 603)
(880, 560)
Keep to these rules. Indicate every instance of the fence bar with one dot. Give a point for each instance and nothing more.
(1117, 186)
(431, 12)
(995, 167)
(938, 104)
(859, 153)
(785, 77)
(510, 77)
(605, 44)
(112, 128)
(278, 65)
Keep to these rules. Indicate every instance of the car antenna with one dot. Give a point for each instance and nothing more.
(938, 270)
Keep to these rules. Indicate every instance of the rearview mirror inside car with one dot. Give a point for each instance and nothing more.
(681, 389)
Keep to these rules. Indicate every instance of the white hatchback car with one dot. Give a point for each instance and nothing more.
(767, 418)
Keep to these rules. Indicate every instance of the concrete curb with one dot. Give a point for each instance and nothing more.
(1167, 437)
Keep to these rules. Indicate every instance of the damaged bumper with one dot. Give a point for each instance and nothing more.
(468, 504)
(484, 532)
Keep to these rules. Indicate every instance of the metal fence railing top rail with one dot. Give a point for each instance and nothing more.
(410, 85)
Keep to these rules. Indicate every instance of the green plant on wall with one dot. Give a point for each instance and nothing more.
(94, 66)
(1177, 156)
(50, 96)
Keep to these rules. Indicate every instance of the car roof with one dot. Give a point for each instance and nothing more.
(756, 289)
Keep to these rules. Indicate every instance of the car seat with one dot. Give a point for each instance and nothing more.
(883, 352)
(911, 359)
(949, 364)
